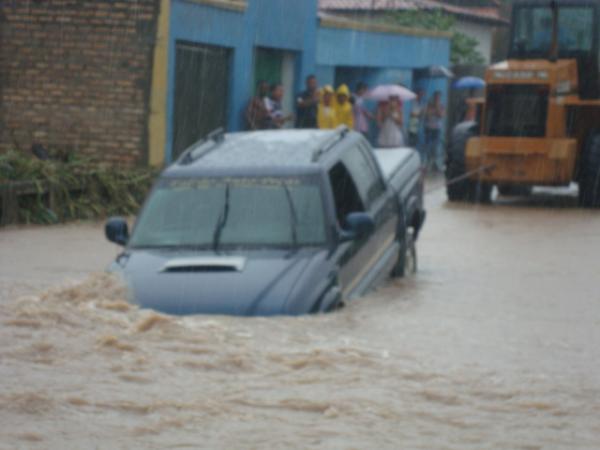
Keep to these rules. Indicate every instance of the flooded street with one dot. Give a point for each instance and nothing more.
(494, 344)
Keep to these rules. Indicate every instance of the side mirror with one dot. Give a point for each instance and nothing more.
(359, 225)
(116, 230)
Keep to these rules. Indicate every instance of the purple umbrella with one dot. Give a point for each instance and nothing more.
(383, 93)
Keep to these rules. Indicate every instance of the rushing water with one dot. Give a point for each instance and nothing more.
(494, 344)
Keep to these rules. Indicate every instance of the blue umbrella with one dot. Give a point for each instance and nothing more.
(469, 83)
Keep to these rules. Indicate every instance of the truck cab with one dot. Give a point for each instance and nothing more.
(272, 222)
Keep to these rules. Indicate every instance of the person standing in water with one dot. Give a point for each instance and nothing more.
(257, 114)
(307, 104)
(343, 108)
(362, 116)
(326, 117)
(276, 115)
(415, 122)
(434, 121)
(390, 121)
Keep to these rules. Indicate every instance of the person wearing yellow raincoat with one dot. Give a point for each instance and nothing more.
(326, 118)
(343, 108)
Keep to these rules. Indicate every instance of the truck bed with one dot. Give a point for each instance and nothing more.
(401, 167)
(391, 160)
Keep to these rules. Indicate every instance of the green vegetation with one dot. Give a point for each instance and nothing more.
(463, 47)
(52, 191)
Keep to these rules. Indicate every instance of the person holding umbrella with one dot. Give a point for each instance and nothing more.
(469, 83)
(390, 117)
(390, 120)
(468, 110)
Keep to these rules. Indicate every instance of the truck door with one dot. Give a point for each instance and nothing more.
(357, 187)
(381, 203)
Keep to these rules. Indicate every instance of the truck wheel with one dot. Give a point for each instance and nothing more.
(336, 306)
(482, 192)
(589, 178)
(407, 259)
(512, 190)
(463, 189)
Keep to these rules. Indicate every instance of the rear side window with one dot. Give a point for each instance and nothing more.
(368, 181)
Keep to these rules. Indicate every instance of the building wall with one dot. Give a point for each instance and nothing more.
(346, 55)
(97, 77)
(196, 22)
(293, 27)
(278, 24)
(347, 47)
(284, 23)
(482, 33)
(75, 76)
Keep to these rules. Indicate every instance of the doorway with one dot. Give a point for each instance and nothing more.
(277, 66)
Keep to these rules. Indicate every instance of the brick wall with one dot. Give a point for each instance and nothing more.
(75, 75)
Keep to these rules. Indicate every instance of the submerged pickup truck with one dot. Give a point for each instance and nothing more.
(265, 223)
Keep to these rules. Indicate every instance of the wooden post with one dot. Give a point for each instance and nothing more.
(10, 205)
(9, 195)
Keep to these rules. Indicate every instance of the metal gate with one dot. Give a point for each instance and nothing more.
(201, 92)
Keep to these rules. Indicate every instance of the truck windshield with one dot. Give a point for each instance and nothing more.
(517, 110)
(231, 213)
(532, 32)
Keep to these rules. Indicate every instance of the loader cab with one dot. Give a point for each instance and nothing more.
(544, 29)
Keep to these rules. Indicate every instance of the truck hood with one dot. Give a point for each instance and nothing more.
(253, 283)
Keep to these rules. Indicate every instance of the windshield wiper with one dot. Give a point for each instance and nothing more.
(293, 215)
(221, 222)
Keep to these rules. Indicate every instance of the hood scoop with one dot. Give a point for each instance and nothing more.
(205, 264)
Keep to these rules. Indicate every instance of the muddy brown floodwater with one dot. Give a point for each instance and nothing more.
(494, 344)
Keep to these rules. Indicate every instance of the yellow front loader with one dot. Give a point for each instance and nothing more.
(539, 122)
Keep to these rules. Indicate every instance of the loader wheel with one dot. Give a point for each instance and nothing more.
(514, 190)
(463, 189)
(589, 177)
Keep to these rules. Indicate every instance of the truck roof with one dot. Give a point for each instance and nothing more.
(252, 150)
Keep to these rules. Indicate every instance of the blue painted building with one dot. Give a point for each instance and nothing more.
(350, 51)
(215, 51)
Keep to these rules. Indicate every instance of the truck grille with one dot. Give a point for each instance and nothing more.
(516, 111)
